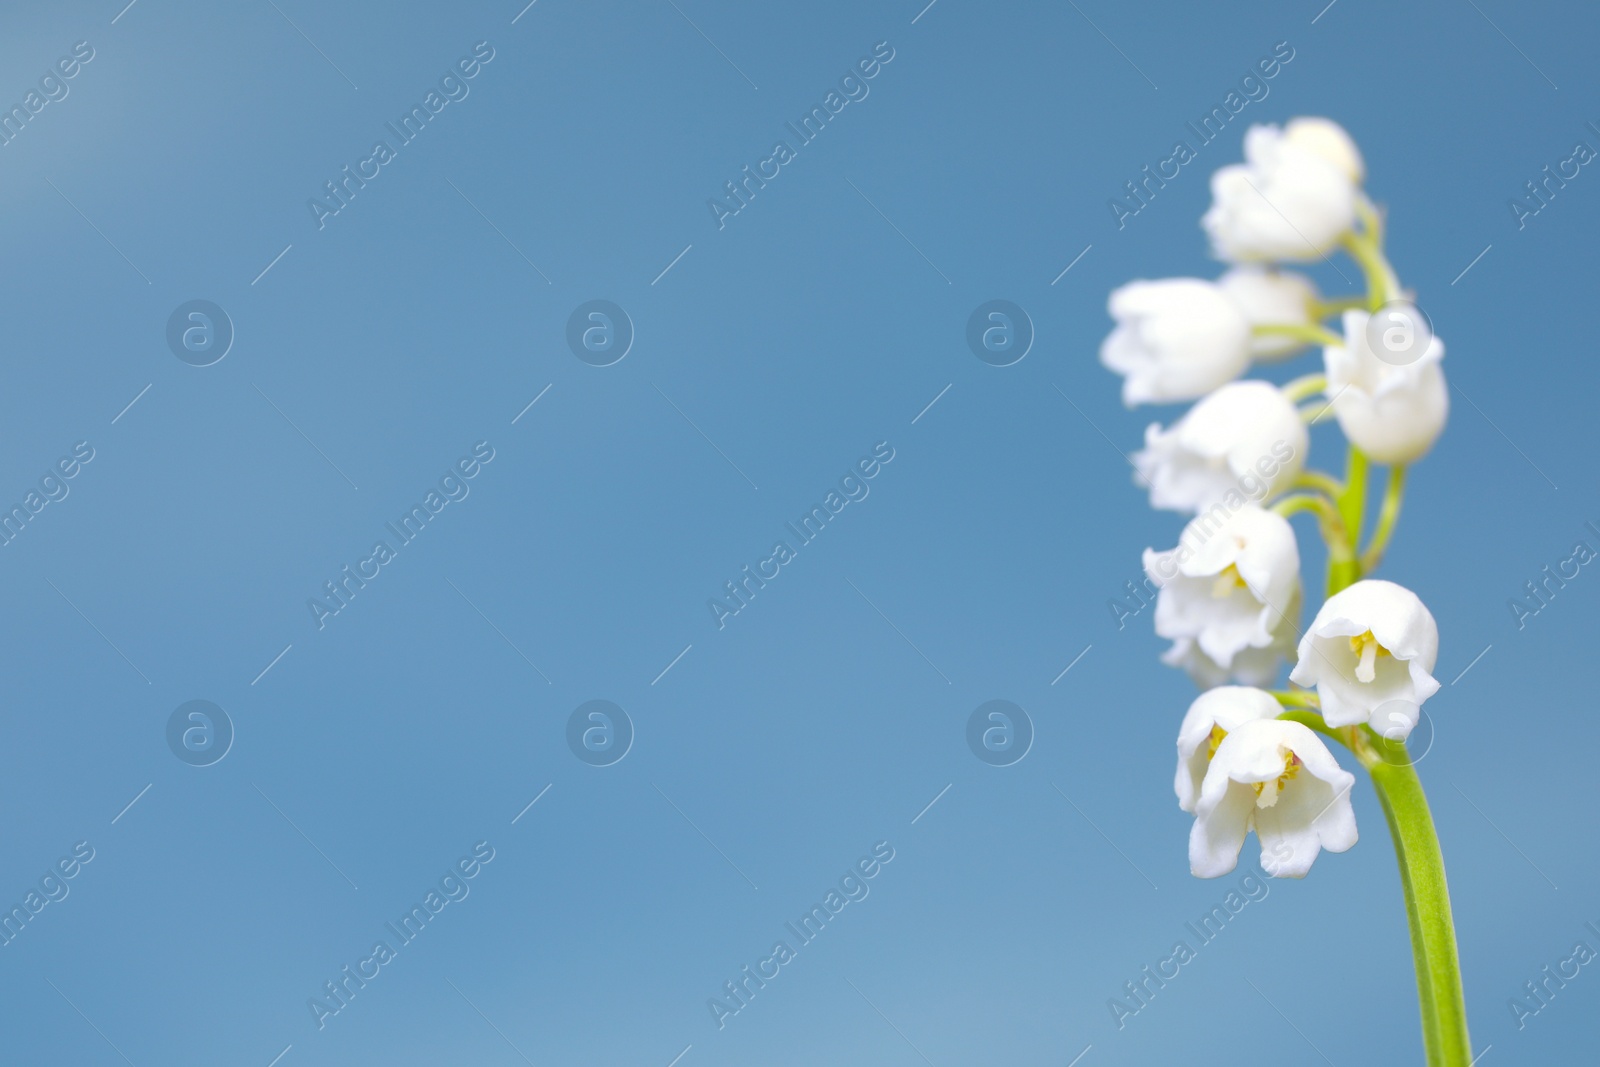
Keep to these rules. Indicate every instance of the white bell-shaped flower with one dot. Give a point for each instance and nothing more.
(1244, 442)
(1250, 666)
(1329, 140)
(1292, 199)
(1393, 408)
(1272, 298)
(1232, 584)
(1212, 717)
(1175, 339)
(1275, 777)
(1370, 654)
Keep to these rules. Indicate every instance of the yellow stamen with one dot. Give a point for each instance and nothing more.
(1291, 767)
(1217, 734)
(1367, 649)
(1227, 581)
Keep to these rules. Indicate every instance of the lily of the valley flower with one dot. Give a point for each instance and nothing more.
(1293, 198)
(1244, 442)
(1392, 413)
(1371, 647)
(1250, 666)
(1272, 297)
(1231, 586)
(1175, 339)
(1277, 778)
(1211, 718)
(1330, 141)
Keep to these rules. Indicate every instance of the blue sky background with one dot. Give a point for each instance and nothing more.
(773, 353)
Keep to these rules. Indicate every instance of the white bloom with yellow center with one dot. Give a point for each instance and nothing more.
(1210, 719)
(1277, 778)
(1243, 443)
(1372, 646)
(1231, 585)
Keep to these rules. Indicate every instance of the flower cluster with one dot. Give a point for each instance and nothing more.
(1230, 593)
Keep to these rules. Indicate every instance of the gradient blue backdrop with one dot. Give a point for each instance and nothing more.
(824, 718)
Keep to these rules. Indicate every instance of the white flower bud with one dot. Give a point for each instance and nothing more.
(1175, 339)
(1271, 297)
(1244, 442)
(1392, 413)
(1327, 139)
(1292, 198)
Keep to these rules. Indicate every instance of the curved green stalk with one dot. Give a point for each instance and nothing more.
(1312, 414)
(1353, 501)
(1323, 309)
(1327, 483)
(1328, 522)
(1405, 805)
(1344, 568)
(1380, 275)
(1306, 386)
(1393, 494)
(1433, 931)
(1296, 698)
(1295, 503)
(1416, 846)
(1371, 221)
(1310, 333)
(1314, 721)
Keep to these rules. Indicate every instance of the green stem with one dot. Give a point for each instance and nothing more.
(1433, 933)
(1319, 480)
(1314, 413)
(1393, 494)
(1309, 332)
(1342, 574)
(1309, 718)
(1340, 552)
(1306, 386)
(1295, 503)
(1353, 501)
(1371, 221)
(1380, 275)
(1394, 778)
(1323, 309)
(1416, 846)
(1344, 568)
